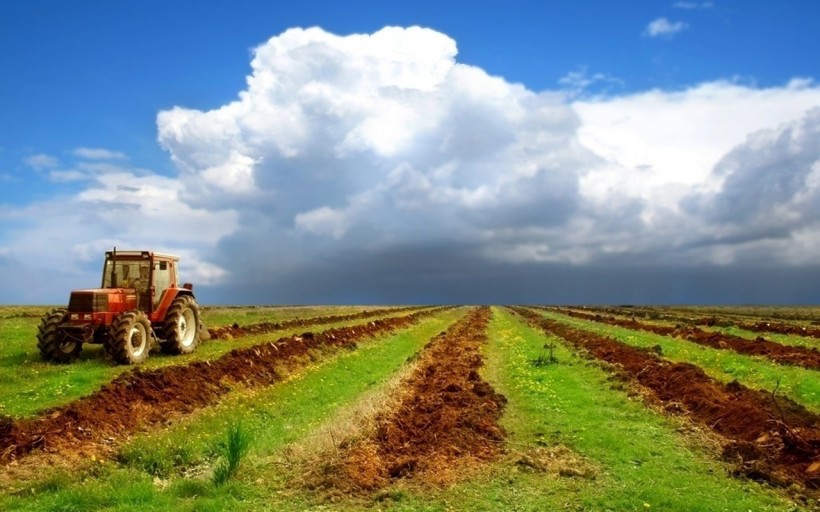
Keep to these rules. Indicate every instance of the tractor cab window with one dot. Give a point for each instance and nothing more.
(162, 278)
(130, 274)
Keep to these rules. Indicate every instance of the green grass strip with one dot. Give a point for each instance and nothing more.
(217, 316)
(799, 384)
(148, 475)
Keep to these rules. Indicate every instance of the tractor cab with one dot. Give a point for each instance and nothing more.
(149, 274)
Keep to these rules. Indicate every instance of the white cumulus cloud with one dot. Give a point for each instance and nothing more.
(658, 144)
(379, 137)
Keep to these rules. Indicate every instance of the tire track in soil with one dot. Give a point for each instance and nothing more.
(782, 354)
(769, 438)
(445, 420)
(139, 398)
(228, 332)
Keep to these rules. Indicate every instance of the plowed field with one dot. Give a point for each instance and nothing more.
(418, 408)
(799, 356)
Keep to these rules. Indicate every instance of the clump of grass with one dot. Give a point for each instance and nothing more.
(158, 458)
(548, 358)
(54, 483)
(234, 450)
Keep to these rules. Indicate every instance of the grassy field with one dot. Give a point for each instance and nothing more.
(575, 438)
(28, 384)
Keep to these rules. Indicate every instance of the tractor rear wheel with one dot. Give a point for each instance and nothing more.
(181, 326)
(130, 338)
(54, 345)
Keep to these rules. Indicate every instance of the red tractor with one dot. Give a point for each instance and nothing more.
(140, 301)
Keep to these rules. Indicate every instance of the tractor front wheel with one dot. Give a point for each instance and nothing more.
(55, 345)
(130, 338)
(181, 326)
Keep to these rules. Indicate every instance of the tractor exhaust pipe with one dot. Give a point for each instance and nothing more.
(114, 268)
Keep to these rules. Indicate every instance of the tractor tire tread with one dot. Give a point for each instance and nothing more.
(172, 344)
(48, 341)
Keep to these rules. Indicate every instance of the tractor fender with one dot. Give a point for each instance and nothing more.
(168, 297)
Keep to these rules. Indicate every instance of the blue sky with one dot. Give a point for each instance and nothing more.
(84, 85)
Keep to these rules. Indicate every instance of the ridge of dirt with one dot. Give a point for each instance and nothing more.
(139, 397)
(769, 438)
(235, 330)
(777, 327)
(783, 354)
(446, 419)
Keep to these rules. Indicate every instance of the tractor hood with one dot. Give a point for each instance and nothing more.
(102, 299)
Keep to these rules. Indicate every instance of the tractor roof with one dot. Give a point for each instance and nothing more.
(142, 254)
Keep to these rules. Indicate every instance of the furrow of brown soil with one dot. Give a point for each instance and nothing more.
(780, 328)
(783, 354)
(769, 437)
(236, 330)
(139, 398)
(445, 420)
(709, 321)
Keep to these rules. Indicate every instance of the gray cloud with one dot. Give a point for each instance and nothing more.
(441, 273)
(776, 172)
(770, 193)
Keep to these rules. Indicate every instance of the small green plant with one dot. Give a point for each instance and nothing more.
(546, 359)
(237, 446)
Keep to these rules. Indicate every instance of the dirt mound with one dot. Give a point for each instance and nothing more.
(783, 354)
(447, 418)
(777, 327)
(236, 330)
(781, 328)
(769, 437)
(144, 397)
